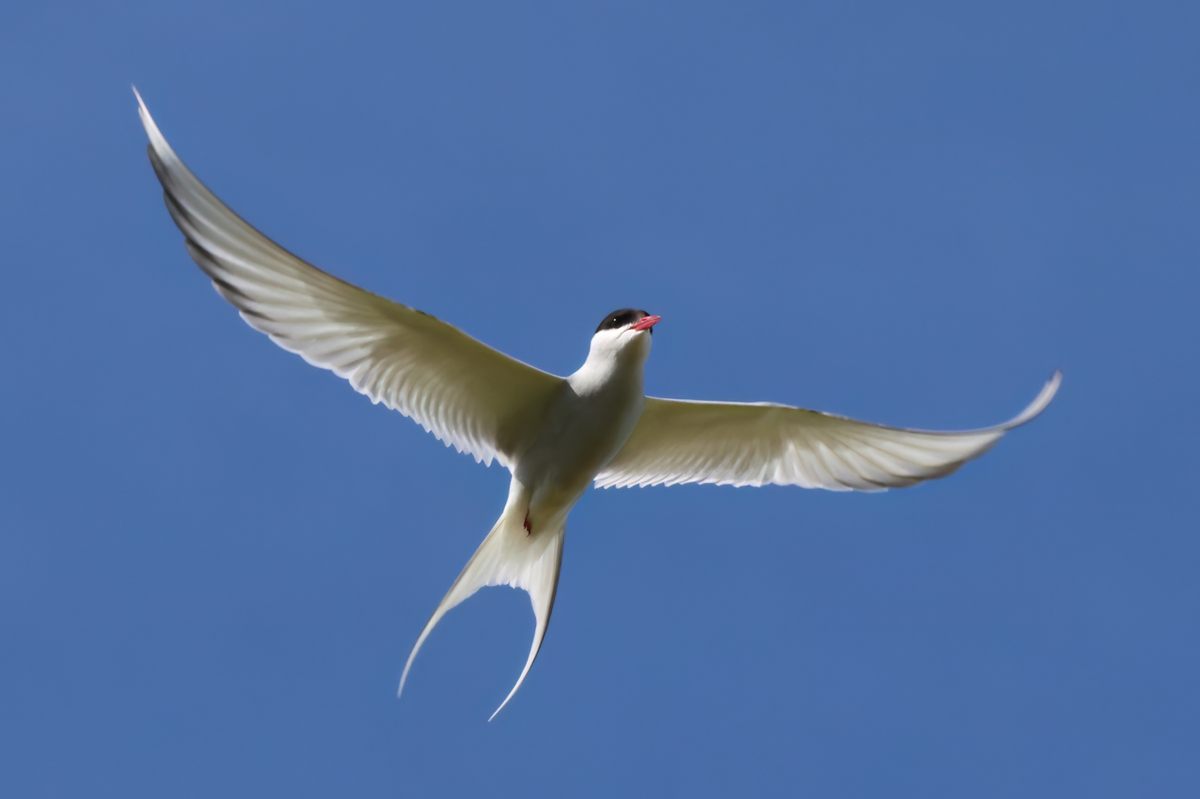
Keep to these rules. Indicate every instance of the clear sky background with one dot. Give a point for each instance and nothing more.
(214, 558)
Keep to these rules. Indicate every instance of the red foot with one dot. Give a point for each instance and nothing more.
(528, 526)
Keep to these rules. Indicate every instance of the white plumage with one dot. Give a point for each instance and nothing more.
(452, 385)
(554, 434)
(761, 443)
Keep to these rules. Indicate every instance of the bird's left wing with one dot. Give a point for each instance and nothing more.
(754, 444)
(469, 395)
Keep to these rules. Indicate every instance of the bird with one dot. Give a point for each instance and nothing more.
(556, 435)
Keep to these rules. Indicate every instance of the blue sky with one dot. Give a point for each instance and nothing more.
(214, 558)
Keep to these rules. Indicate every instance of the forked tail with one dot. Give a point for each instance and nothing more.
(508, 556)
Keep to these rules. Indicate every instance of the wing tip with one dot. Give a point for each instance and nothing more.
(143, 111)
(158, 143)
(1040, 402)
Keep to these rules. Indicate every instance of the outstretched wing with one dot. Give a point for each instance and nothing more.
(754, 444)
(470, 396)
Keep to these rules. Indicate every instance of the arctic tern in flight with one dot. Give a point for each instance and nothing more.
(556, 435)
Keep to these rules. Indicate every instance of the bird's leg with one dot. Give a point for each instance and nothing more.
(528, 524)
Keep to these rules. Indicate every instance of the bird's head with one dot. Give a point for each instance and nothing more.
(623, 333)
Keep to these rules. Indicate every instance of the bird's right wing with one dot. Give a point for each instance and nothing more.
(467, 394)
(754, 444)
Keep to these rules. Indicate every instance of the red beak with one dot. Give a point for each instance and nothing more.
(646, 322)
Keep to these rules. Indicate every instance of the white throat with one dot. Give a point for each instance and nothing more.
(616, 359)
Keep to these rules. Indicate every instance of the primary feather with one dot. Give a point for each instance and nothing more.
(755, 444)
(469, 395)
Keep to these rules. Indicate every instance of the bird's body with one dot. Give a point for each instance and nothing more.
(586, 423)
(582, 425)
(556, 435)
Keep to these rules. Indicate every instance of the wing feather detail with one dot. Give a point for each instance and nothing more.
(755, 444)
(470, 396)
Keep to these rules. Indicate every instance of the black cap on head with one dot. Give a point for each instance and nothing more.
(620, 318)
